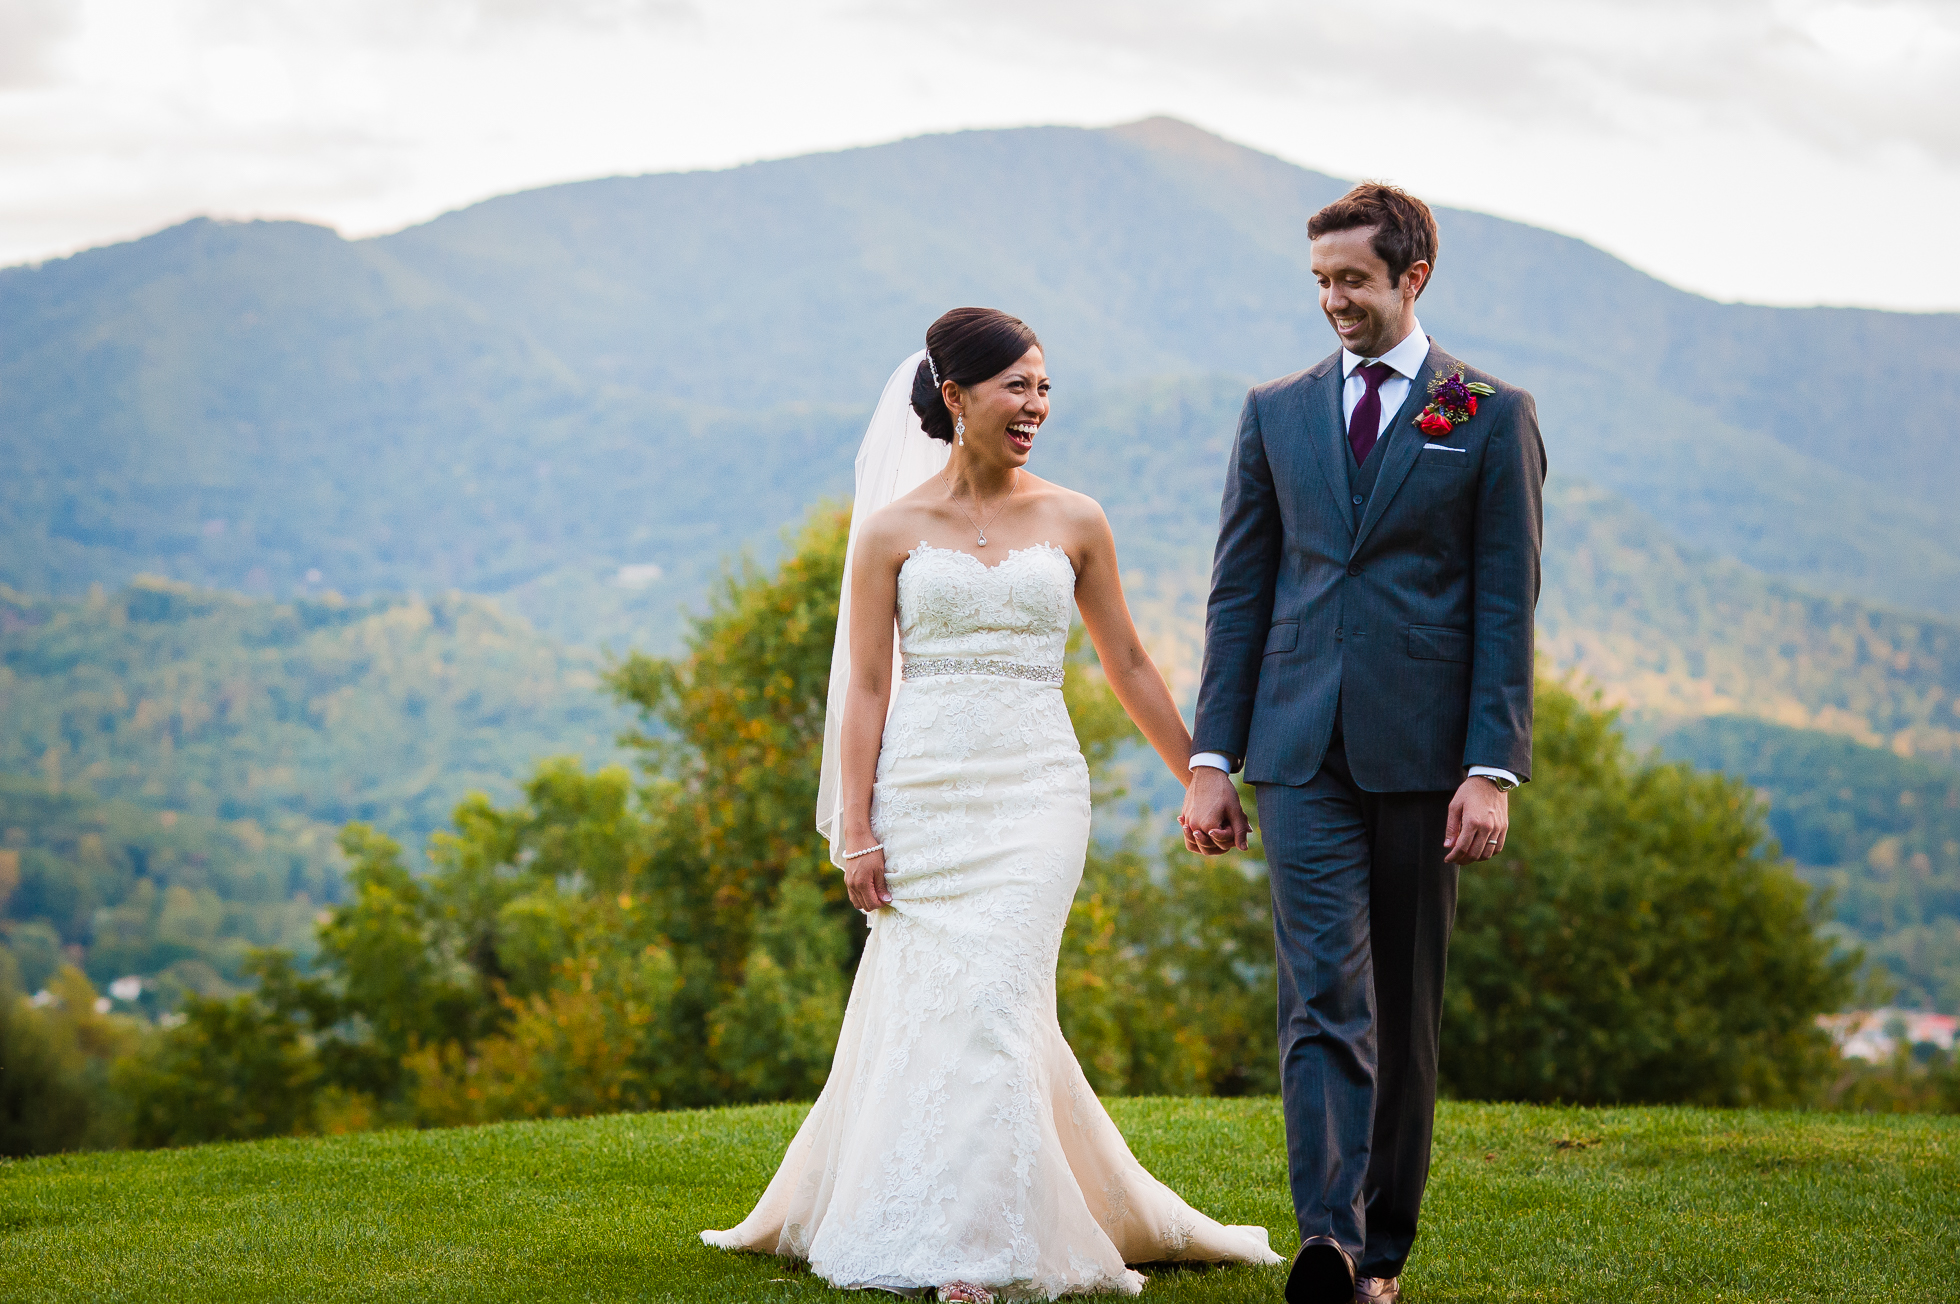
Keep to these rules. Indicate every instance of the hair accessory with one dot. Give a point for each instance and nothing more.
(930, 367)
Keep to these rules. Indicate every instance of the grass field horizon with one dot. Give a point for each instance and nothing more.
(1525, 1203)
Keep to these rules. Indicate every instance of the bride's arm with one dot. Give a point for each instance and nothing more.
(1131, 673)
(874, 600)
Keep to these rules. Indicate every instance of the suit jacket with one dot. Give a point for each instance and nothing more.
(1416, 625)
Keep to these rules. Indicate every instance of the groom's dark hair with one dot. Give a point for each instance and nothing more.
(965, 346)
(1405, 229)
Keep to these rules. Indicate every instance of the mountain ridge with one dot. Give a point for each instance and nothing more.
(527, 395)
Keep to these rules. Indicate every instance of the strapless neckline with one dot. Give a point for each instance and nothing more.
(953, 605)
(1012, 553)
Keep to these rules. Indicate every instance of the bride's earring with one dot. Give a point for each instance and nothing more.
(959, 430)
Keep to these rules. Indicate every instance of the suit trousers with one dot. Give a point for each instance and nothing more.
(1363, 903)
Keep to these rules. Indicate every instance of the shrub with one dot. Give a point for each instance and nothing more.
(54, 1066)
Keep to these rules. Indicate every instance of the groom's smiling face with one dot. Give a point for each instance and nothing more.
(1371, 311)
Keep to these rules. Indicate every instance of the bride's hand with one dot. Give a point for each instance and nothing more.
(864, 879)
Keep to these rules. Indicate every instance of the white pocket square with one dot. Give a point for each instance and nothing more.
(1445, 448)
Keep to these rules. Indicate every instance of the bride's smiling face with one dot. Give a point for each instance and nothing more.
(1003, 414)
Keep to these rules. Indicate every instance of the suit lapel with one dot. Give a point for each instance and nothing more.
(1404, 443)
(1320, 400)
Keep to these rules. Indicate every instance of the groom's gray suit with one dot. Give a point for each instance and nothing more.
(1369, 637)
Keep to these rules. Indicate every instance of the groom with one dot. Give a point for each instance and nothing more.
(1368, 660)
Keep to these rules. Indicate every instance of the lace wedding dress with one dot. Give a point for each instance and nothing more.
(956, 1139)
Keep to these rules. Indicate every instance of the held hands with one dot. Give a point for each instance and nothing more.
(1214, 822)
(1480, 818)
(864, 879)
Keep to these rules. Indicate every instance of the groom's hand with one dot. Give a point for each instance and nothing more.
(1214, 822)
(1480, 818)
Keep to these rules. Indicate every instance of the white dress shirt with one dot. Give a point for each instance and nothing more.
(1406, 359)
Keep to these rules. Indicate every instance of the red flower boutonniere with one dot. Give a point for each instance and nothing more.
(1452, 401)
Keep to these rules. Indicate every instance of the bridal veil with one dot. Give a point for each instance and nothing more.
(896, 457)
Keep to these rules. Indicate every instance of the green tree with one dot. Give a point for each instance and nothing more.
(236, 1068)
(1880, 830)
(393, 949)
(757, 916)
(1166, 982)
(1639, 940)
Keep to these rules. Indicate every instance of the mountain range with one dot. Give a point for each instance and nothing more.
(581, 401)
(529, 394)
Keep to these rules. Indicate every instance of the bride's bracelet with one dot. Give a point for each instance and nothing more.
(853, 855)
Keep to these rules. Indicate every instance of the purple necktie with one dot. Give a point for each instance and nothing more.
(1366, 423)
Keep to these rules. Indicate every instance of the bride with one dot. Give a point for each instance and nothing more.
(956, 1145)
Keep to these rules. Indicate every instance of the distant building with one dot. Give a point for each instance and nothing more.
(1876, 1035)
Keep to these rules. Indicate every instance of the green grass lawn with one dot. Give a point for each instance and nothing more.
(1526, 1203)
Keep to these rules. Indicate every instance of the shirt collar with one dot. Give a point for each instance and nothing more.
(1405, 358)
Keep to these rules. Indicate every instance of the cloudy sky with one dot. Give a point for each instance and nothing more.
(1781, 151)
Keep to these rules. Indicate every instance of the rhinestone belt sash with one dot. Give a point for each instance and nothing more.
(927, 667)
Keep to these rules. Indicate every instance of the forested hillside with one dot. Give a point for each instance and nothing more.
(385, 709)
(176, 763)
(1671, 632)
(121, 891)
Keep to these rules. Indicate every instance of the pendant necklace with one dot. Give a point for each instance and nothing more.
(981, 542)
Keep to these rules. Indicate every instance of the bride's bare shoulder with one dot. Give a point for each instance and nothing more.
(1070, 506)
(897, 526)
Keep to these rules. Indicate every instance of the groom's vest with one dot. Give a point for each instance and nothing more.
(1361, 479)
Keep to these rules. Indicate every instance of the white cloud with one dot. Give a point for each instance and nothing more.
(1628, 122)
(30, 33)
(1839, 74)
(392, 22)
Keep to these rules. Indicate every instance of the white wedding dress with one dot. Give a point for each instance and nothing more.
(956, 1139)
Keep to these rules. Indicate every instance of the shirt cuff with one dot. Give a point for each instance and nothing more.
(1216, 760)
(1475, 770)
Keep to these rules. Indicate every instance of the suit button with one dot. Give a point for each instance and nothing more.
(1357, 500)
(1339, 634)
(1354, 570)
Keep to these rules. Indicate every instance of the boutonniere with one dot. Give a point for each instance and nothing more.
(1452, 401)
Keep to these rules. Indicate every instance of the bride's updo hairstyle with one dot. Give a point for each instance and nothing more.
(967, 345)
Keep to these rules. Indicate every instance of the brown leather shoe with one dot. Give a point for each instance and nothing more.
(1378, 1290)
(1323, 1273)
